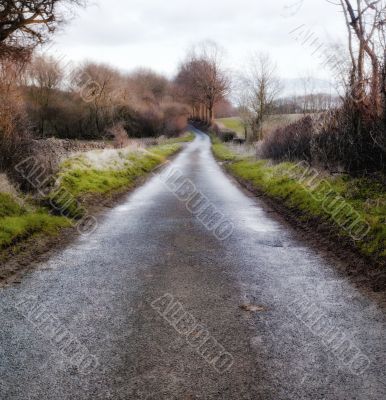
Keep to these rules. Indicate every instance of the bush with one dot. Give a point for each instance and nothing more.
(119, 135)
(352, 140)
(99, 98)
(175, 118)
(224, 134)
(345, 139)
(227, 136)
(292, 142)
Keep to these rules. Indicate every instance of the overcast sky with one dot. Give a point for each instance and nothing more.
(156, 33)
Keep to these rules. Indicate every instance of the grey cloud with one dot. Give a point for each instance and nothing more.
(139, 28)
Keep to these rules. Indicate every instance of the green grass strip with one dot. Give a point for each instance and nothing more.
(340, 200)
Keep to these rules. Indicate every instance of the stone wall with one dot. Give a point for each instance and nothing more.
(45, 157)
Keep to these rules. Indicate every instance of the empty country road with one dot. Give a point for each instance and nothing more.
(165, 302)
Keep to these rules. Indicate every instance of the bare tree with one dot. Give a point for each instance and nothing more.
(101, 88)
(260, 88)
(13, 121)
(187, 88)
(309, 94)
(242, 99)
(365, 20)
(23, 24)
(151, 85)
(212, 80)
(44, 75)
(204, 80)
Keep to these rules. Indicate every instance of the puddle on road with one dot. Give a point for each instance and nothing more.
(270, 243)
(256, 220)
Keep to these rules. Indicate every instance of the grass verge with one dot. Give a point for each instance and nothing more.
(79, 182)
(354, 208)
(18, 222)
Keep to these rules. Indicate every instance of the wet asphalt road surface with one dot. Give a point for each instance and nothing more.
(87, 324)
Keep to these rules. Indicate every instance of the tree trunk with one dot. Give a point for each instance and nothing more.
(211, 115)
(202, 112)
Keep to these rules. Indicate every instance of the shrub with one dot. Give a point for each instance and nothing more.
(224, 134)
(227, 136)
(175, 118)
(292, 142)
(119, 135)
(351, 139)
(345, 139)
(145, 122)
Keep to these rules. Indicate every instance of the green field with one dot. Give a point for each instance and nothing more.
(235, 124)
(273, 122)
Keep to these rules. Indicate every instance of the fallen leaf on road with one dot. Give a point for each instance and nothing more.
(252, 308)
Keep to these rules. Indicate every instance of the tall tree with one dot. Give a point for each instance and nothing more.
(45, 76)
(204, 80)
(26, 23)
(259, 90)
(366, 20)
